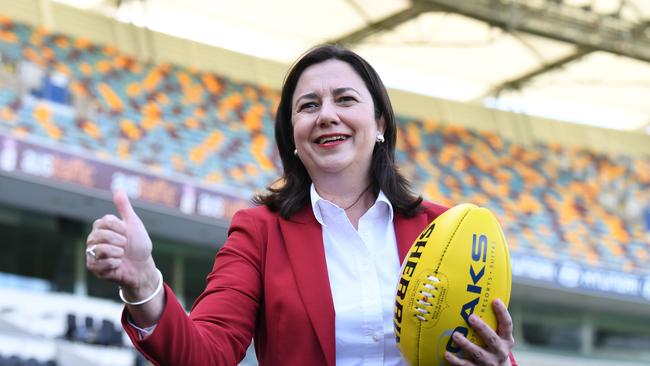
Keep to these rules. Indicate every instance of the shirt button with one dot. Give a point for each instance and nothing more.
(376, 337)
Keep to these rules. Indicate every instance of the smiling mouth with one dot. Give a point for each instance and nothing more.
(330, 139)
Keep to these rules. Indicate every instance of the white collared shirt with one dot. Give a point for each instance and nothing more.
(363, 266)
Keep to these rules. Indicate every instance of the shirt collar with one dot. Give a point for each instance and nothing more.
(319, 204)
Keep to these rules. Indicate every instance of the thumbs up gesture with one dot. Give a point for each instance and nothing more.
(119, 250)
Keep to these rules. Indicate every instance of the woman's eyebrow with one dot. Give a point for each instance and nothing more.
(339, 91)
(311, 95)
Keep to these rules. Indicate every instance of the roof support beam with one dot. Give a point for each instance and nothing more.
(558, 21)
(588, 30)
(551, 19)
(518, 82)
(387, 23)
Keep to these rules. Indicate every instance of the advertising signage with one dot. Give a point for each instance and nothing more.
(574, 276)
(56, 165)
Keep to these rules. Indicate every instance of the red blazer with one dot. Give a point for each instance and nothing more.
(268, 281)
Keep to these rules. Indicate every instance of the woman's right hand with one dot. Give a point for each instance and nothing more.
(122, 250)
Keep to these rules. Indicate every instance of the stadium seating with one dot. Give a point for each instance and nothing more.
(163, 116)
(546, 196)
(38, 328)
(554, 201)
(107, 334)
(17, 361)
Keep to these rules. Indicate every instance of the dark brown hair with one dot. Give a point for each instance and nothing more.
(292, 194)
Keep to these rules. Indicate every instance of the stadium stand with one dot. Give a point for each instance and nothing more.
(45, 326)
(164, 116)
(554, 202)
(174, 120)
(555, 188)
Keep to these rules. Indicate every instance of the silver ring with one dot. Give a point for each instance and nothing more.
(91, 251)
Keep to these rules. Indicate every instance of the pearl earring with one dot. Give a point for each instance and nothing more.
(295, 152)
(380, 138)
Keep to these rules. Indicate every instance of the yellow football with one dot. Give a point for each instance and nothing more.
(457, 267)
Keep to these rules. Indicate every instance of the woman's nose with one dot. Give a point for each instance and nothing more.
(327, 114)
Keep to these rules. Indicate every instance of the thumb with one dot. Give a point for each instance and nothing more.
(123, 205)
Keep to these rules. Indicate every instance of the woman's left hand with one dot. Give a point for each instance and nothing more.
(497, 345)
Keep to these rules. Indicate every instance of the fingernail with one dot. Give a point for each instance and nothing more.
(472, 319)
(456, 336)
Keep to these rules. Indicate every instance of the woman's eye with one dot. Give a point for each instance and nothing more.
(346, 99)
(308, 105)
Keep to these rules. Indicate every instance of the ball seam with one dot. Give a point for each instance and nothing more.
(442, 256)
(451, 238)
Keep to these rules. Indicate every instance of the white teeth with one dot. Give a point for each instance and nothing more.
(330, 139)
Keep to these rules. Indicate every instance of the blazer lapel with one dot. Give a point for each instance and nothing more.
(303, 238)
(407, 230)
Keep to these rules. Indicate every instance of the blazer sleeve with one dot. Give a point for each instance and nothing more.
(220, 326)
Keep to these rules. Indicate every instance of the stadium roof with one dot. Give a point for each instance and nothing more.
(584, 61)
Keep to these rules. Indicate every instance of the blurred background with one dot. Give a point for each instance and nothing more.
(538, 110)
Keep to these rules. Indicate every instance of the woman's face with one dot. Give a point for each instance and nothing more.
(333, 116)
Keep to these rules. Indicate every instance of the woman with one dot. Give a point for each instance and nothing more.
(310, 273)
